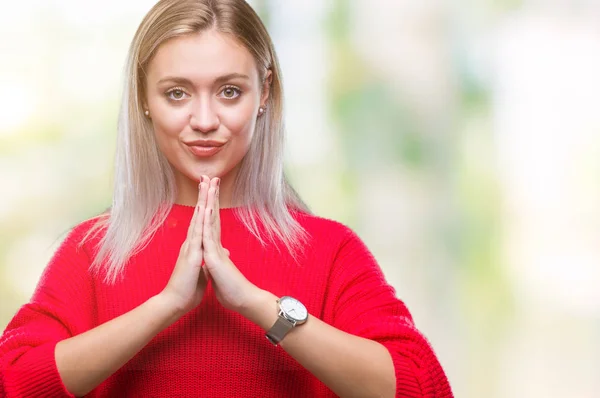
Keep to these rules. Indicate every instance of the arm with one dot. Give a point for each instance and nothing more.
(365, 370)
(86, 360)
(51, 348)
(61, 306)
(369, 347)
(37, 359)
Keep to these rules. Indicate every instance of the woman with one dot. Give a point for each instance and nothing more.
(207, 249)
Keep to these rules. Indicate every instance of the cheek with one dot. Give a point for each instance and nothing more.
(169, 121)
(240, 120)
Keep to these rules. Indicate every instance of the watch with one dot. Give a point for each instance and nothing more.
(291, 314)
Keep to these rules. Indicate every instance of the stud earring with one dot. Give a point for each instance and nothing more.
(261, 110)
(147, 113)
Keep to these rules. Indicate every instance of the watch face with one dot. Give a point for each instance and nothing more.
(293, 308)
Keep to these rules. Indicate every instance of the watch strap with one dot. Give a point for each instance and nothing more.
(278, 331)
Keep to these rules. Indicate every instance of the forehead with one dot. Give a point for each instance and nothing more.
(201, 57)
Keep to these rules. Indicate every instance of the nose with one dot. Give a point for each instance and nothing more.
(203, 117)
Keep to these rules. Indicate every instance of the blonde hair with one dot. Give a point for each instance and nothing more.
(145, 189)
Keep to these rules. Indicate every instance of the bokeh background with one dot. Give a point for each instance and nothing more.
(460, 139)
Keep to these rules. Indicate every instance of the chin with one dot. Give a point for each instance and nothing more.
(211, 169)
(198, 173)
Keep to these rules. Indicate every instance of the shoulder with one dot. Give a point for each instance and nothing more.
(86, 233)
(349, 250)
(319, 223)
(71, 257)
(326, 229)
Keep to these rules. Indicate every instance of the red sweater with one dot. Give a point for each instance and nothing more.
(211, 351)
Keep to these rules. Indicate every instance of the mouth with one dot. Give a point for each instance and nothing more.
(204, 148)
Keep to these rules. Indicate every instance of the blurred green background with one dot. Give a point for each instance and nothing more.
(459, 139)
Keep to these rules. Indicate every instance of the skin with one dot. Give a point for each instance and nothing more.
(219, 101)
(203, 112)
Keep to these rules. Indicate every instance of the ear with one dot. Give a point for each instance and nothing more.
(266, 90)
(146, 110)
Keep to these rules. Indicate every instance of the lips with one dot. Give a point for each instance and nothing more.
(204, 148)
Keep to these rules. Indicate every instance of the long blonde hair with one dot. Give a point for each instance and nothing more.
(145, 189)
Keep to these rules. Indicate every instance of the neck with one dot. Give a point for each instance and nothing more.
(187, 189)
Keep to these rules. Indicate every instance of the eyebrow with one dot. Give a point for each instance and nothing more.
(218, 80)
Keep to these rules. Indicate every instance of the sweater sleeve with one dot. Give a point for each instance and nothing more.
(61, 307)
(361, 302)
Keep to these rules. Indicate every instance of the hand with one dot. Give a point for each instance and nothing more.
(232, 289)
(187, 284)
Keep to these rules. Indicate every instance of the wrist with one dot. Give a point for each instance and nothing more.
(261, 309)
(168, 306)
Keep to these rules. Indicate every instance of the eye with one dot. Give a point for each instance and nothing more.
(231, 92)
(176, 94)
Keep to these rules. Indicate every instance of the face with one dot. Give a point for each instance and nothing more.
(203, 96)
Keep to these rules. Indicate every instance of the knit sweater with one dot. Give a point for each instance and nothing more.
(212, 351)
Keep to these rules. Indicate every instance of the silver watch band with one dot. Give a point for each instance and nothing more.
(278, 331)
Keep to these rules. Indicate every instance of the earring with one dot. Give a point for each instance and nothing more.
(147, 113)
(261, 110)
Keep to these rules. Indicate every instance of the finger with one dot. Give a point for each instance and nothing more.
(208, 239)
(205, 181)
(212, 197)
(218, 210)
(190, 233)
(216, 216)
(201, 219)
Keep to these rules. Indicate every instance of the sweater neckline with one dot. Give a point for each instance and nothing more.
(185, 212)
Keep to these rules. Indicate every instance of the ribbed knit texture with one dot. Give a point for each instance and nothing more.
(211, 351)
